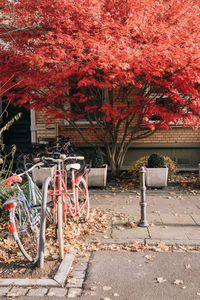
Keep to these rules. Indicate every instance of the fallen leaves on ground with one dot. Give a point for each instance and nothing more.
(76, 238)
(183, 179)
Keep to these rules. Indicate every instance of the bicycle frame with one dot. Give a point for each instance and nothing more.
(60, 189)
(29, 205)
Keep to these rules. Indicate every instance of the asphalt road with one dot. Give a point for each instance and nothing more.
(143, 276)
(148, 275)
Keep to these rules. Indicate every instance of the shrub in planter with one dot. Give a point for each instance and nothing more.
(156, 161)
(97, 175)
(143, 161)
(156, 171)
(97, 158)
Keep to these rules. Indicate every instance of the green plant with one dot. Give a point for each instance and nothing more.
(156, 161)
(97, 158)
(5, 194)
(143, 161)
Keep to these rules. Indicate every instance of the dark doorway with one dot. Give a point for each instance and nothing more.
(19, 132)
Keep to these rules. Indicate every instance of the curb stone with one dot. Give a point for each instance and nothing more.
(64, 268)
(49, 287)
(59, 278)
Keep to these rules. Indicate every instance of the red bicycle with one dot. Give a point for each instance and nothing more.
(69, 197)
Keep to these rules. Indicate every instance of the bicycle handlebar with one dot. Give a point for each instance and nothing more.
(39, 164)
(63, 157)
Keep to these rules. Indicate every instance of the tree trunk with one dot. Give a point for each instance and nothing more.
(115, 160)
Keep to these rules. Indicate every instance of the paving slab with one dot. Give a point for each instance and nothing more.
(57, 292)
(17, 291)
(167, 233)
(196, 218)
(39, 292)
(179, 219)
(4, 291)
(130, 233)
(74, 292)
(78, 274)
(192, 233)
(75, 282)
(81, 266)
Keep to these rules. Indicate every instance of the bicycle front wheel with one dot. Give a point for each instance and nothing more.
(82, 199)
(60, 227)
(26, 223)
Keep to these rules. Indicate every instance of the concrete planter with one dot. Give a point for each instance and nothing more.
(199, 170)
(156, 177)
(97, 176)
(39, 174)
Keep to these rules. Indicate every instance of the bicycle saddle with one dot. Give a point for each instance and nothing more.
(73, 166)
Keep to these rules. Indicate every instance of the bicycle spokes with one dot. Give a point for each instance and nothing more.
(82, 200)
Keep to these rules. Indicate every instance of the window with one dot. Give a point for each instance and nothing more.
(85, 103)
(169, 106)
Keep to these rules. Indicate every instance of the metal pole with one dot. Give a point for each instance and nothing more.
(43, 222)
(143, 221)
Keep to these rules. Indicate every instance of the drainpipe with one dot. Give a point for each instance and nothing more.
(33, 127)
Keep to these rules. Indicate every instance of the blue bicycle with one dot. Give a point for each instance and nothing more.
(24, 213)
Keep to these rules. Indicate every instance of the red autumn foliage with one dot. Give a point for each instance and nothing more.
(120, 63)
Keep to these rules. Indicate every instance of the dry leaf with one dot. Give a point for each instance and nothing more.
(188, 267)
(120, 228)
(106, 237)
(148, 257)
(130, 224)
(178, 282)
(162, 246)
(107, 288)
(161, 280)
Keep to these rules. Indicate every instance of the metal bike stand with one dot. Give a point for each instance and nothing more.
(43, 222)
(143, 221)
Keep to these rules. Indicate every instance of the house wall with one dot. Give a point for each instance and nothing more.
(180, 144)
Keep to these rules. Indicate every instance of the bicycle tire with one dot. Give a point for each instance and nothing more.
(44, 215)
(82, 199)
(26, 229)
(60, 227)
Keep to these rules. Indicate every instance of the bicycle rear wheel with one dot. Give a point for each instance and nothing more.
(82, 199)
(26, 223)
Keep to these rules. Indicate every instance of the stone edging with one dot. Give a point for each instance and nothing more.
(57, 281)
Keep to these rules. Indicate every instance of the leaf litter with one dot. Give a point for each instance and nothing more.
(75, 238)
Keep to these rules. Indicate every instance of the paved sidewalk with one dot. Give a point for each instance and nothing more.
(173, 215)
(174, 218)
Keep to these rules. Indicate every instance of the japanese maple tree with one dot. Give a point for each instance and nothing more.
(126, 66)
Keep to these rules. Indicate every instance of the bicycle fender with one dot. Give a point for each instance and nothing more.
(10, 180)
